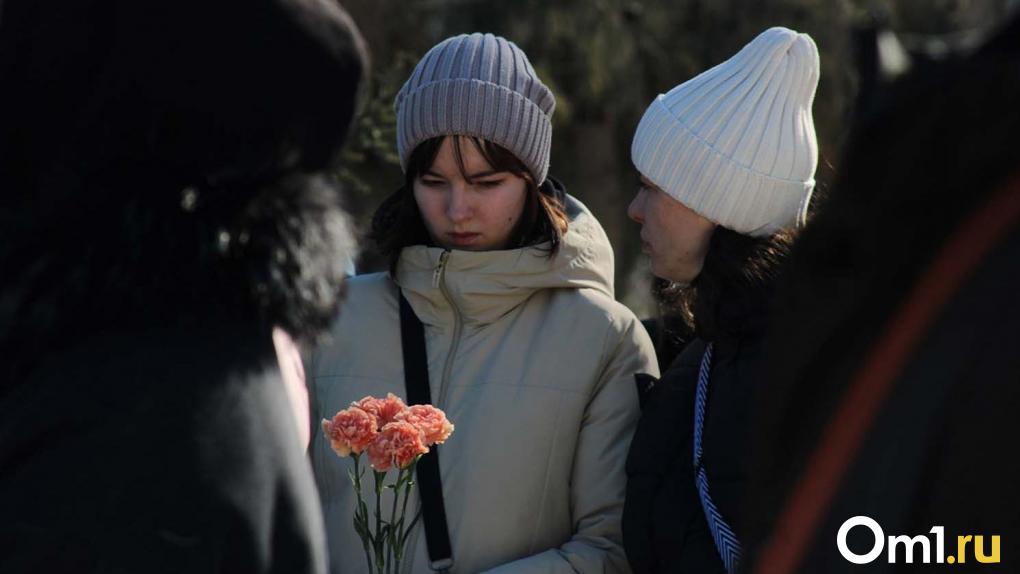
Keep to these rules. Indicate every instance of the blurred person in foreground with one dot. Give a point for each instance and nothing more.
(727, 163)
(169, 237)
(893, 373)
(527, 352)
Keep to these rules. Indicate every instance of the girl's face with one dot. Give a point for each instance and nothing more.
(471, 209)
(674, 237)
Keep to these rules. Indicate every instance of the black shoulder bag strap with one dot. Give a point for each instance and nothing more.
(430, 485)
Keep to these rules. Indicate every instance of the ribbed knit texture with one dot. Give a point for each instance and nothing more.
(737, 142)
(478, 85)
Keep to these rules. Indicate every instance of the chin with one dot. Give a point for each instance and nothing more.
(455, 247)
(480, 244)
(680, 277)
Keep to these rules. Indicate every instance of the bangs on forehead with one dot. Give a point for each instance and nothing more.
(480, 147)
(495, 156)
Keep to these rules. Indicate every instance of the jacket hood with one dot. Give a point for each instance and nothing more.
(483, 286)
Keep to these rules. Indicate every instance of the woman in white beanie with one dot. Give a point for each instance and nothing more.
(727, 162)
(526, 350)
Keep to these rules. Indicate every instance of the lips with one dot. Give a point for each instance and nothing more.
(645, 246)
(463, 239)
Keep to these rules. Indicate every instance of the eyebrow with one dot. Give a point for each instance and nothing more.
(488, 173)
(469, 177)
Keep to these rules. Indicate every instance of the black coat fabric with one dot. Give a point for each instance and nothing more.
(664, 526)
(670, 334)
(156, 451)
(941, 451)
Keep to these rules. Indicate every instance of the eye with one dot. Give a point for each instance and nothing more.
(489, 183)
(431, 181)
(647, 189)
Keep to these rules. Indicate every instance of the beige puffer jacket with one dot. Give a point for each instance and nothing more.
(534, 362)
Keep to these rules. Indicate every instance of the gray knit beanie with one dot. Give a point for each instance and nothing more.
(477, 85)
(736, 143)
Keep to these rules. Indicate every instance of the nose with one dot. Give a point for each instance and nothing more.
(458, 208)
(636, 209)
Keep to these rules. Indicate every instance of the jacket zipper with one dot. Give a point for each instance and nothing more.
(438, 280)
(457, 326)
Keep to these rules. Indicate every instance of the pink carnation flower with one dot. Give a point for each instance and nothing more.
(399, 443)
(432, 422)
(351, 430)
(384, 410)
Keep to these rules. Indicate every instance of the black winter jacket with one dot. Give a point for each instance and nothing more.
(664, 526)
(166, 450)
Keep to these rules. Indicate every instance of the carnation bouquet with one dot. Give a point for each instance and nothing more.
(393, 436)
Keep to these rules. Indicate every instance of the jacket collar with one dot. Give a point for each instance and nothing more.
(483, 286)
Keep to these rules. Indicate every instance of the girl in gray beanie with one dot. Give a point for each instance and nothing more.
(727, 162)
(526, 350)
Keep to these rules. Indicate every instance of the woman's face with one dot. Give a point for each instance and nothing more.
(674, 237)
(474, 210)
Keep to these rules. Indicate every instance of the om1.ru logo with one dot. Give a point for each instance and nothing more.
(909, 544)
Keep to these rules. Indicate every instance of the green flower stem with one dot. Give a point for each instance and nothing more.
(407, 496)
(393, 521)
(401, 536)
(380, 541)
(358, 514)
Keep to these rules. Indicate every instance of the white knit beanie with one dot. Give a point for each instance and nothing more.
(478, 85)
(736, 143)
